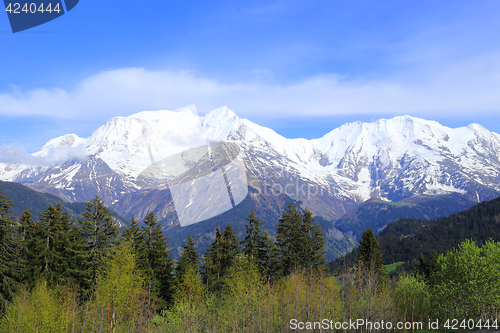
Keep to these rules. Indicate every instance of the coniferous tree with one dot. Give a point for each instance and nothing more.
(160, 265)
(301, 244)
(132, 232)
(219, 257)
(369, 254)
(188, 288)
(289, 239)
(52, 248)
(230, 248)
(189, 258)
(9, 253)
(268, 257)
(25, 224)
(253, 242)
(100, 233)
(425, 268)
(212, 267)
(25, 231)
(313, 246)
(135, 236)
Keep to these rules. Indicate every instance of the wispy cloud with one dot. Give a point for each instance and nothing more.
(53, 156)
(453, 89)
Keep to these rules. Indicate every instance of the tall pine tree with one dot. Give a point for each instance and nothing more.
(369, 255)
(188, 285)
(300, 243)
(9, 253)
(98, 228)
(313, 246)
(269, 263)
(160, 264)
(189, 258)
(253, 242)
(52, 248)
(289, 239)
(219, 258)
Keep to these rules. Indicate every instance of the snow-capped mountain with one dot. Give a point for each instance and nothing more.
(390, 159)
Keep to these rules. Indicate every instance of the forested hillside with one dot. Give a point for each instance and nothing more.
(405, 239)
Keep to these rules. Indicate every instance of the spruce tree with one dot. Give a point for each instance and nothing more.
(25, 230)
(269, 263)
(188, 285)
(52, 248)
(212, 267)
(98, 228)
(369, 255)
(219, 258)
(135, 236)
(289, 239)
(9, 253)
(25, 224)
(230, 248)
(189, 258)
(301, 244)
(160, 265)
(254, 240)
(313, 246)
(132, 233)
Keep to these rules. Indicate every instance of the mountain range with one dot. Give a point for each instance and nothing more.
(403, 161)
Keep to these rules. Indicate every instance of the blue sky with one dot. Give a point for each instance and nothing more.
(299, 67)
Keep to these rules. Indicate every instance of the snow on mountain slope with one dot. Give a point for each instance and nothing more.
(391, 159)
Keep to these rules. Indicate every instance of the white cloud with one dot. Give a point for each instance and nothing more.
(454, 89)
(54, 156)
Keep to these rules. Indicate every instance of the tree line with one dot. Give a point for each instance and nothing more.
(59, 275)
(59, 251)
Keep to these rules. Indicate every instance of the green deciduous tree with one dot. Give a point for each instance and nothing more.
(466, 282)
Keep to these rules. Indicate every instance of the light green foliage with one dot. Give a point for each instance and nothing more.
(412, 298)
(189, 290)
(368, 296)
(392, 267)
(121, 290)
(467, 282)
(120, 303)
(247, 305)
(42, 310)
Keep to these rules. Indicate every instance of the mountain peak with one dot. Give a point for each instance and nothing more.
(218, 123)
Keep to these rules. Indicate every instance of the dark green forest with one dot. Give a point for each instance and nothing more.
(65, 273)
(407, 238)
